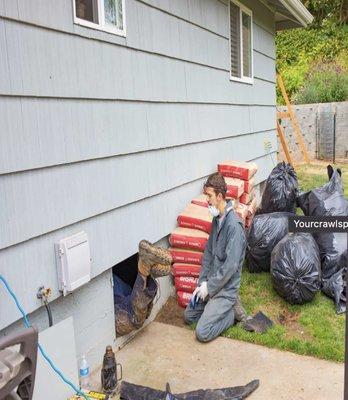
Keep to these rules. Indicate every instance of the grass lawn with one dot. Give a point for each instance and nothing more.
(311, 329)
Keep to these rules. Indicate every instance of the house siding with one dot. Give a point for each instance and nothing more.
(114, 135)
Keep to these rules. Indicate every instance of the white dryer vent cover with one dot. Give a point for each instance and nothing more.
(73, 262)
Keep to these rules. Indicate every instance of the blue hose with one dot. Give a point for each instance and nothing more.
(43, 353)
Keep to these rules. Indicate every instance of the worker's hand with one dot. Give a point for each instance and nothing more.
(202, 291)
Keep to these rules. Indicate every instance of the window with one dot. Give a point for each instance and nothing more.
(241, 43)
(105, 15)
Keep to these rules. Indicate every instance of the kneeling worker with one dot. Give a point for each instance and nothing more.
(220, 276)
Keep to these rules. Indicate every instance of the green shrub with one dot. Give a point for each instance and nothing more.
(326, 83)
(299, 51)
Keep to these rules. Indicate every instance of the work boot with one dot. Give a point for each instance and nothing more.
(155, 270)
(143, 269)
(240, 314)
(151, 254)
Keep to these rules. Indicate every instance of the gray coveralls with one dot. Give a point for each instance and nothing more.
(221, 268)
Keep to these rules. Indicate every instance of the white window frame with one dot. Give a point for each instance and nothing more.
(101, 15)
(242, 8)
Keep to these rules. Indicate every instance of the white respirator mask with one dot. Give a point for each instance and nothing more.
(213, 211)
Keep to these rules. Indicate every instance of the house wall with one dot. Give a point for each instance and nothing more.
(114, 135)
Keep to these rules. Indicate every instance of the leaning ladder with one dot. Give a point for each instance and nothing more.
(289, 114)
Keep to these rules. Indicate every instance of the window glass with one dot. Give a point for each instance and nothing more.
(87, 10)
(246, 34)
(113, 13)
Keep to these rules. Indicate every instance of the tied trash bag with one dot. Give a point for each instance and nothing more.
(328, 200)
(335, 286)
(265, 232)
(281, 190)
(295, 268)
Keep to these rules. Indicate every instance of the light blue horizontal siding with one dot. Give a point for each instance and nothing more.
(206, 14)
(80, 68)
(110, 134)
(56, 131)
(36, 202)
(113, 237)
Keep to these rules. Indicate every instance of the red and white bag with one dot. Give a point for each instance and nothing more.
(186, 256)
(246, 198)
(235, 187)
(185, 283)
(252, 206)
(249, 221)
(195, 217)
(249, 185)
(192, 270)
(201, 200)
(238, 169)
(188, 238)
(183, 298)
(242, 211)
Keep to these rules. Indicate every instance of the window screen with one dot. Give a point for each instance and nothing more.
(235, 40)
(246, 35)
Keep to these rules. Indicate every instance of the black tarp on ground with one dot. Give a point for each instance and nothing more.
(264, 233)
(281, 190)
(130, 391)
(295, 268)
(328, 200)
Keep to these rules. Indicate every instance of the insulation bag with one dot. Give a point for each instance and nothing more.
(201, 200)
(329, 200)
(185, 283)
(249, 221)
(188, 238)
(242, 211)
(249, 185)
(183, 298)
(235, 187)
(295, 268)
(264, 234)
(281, 190)
(237, 169)
(195, 217)
(186, 256)
(252, 206)
(247, 198)
(192, 270)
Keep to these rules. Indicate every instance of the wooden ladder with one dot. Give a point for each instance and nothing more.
(289, 114)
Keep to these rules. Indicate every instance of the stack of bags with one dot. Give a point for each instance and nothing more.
(239, 177)
(189, 239)
(187, 242)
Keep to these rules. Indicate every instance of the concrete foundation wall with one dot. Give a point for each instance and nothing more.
(316, 124)
(92, 308)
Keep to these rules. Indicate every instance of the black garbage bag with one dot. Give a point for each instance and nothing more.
(335, 287)
(281, 190)
(130, 391)
(328, 200)
(264, 233)
(295, 268)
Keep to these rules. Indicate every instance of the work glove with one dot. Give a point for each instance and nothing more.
(201, 292)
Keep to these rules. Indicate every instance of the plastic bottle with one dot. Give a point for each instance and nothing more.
(84, 373)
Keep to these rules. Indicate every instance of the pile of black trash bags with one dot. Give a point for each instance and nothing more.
(301, 264)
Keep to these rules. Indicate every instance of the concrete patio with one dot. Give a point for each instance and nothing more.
(163, 353)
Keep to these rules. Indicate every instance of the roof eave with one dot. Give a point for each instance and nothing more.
(299, 11)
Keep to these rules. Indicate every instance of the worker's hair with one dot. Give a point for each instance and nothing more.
(217, 182)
